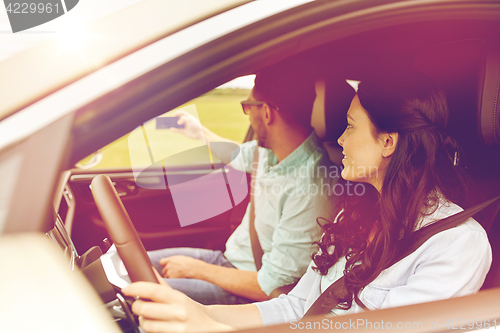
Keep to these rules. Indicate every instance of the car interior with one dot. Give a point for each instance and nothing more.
(462, 55)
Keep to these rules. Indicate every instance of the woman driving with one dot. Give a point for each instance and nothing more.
(396, 145)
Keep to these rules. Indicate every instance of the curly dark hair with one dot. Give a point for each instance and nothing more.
(373, 229)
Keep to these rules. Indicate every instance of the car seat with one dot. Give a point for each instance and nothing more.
(333, 98)
(469, 72)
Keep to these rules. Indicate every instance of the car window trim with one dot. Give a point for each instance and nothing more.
(17, 127)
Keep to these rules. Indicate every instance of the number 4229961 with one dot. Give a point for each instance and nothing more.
(25, 8)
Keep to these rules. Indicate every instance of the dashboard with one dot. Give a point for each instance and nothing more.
(91, 264)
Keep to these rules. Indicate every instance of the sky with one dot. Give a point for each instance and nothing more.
(85, 12)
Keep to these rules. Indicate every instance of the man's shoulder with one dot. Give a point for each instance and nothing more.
(320, 167)
(242, 157)
(249, 145)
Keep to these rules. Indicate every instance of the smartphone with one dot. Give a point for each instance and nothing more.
(167, 122)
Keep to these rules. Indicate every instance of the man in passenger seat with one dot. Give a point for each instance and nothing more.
(294, 184)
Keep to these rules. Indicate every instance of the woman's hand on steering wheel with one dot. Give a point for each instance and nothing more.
(163, 309)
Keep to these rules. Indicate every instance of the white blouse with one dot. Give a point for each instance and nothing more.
(451, 263)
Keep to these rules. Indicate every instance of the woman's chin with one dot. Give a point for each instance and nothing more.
(346, 173)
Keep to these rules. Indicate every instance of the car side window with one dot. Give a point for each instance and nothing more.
(219, 110)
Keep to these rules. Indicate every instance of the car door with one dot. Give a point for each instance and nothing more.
(176, 192)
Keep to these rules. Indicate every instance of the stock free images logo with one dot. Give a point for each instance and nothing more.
(26, 14)
(198, 193)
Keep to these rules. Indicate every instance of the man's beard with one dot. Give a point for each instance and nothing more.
(261, 134)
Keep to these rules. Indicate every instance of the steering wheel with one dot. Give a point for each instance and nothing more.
(121, 230)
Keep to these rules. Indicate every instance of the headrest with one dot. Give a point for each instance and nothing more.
(469, 73)
(333, 98)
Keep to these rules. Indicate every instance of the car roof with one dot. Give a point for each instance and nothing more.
(42, 70)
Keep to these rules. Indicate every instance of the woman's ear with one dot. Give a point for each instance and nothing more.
(389, 142)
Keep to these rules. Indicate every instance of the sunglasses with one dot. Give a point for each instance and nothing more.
(247, 104)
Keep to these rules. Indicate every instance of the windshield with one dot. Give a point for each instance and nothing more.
(84, 13)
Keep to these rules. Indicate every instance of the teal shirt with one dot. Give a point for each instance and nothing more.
(289, 196)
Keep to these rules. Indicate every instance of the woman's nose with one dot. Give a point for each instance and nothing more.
(340, 140)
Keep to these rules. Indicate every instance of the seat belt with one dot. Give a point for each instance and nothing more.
(329, 299)
(254, 238)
